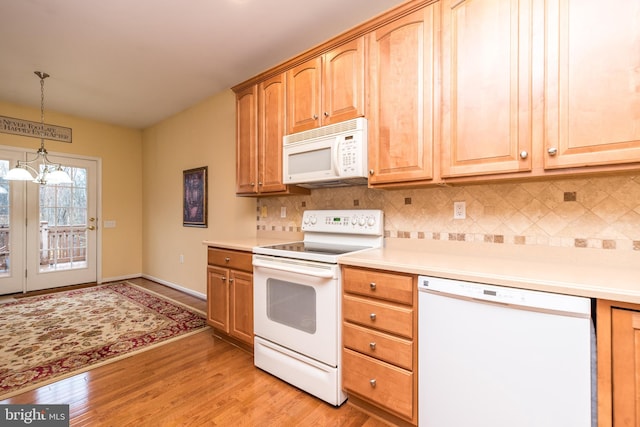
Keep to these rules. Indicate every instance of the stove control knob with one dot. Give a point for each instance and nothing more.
(313, 220)
(371, 222)
(306, 220)
(354, 220)
(362, 221)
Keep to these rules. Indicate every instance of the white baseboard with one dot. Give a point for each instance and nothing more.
(174, 286)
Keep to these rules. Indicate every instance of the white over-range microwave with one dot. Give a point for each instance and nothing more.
(328, 156)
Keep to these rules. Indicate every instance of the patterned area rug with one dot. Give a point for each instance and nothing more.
(49, 337)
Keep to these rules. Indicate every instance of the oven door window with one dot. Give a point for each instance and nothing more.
(292, 304)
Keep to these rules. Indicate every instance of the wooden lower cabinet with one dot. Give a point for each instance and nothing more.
(379, 333)
(618, 331)
(230, 293)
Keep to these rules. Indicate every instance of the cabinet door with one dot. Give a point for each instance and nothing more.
(592, 99)
(343, 83)
(218, 297)
(625, 331)
(303, 96)
(486, 87)
(271, 120)
(401, 82)
(241, 302)
(247, 141)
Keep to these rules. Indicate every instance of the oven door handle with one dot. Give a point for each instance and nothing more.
(308, 271)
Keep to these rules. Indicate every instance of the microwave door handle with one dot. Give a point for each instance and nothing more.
(336, 157)
(290, 269)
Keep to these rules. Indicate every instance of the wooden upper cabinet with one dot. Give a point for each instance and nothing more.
(402, 59)
(260, 110)
(271, 119)
(486, 87)
(592, 88)
(327, 89)
(343, 83)
(247, 141)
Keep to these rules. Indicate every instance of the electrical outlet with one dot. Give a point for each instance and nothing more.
(459, 210)
(181, 259)
(263, 211)
(283, 212)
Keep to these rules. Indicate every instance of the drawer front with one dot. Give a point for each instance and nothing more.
(388, 348)
(385, 385)
(376, 284)
(237, 260)
(378, 315)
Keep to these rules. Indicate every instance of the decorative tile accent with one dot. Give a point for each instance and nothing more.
(605, 213)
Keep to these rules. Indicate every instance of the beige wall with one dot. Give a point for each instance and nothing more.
(120, 151)
(203, 135)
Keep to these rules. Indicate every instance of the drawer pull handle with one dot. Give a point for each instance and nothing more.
(372, 285)
(372, 345)
(372, 382)
(372, 316)
(227, 259)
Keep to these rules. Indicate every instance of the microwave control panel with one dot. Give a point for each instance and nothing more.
(350, 155)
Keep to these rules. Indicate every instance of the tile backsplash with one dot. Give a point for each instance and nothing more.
(600, 212)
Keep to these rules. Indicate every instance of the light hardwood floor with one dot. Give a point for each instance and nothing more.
(199, 380)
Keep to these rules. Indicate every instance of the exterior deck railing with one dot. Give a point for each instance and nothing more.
(58, 244)
(62, 243)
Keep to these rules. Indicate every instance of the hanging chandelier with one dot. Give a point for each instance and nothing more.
(39, 169)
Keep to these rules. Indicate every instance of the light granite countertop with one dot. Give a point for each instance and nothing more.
(245, 243)
(594, 273)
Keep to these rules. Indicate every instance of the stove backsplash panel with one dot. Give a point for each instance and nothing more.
(602, 212)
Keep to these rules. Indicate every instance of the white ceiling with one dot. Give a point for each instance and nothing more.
(136, 62)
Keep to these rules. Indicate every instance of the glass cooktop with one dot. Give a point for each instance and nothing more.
(316, 248)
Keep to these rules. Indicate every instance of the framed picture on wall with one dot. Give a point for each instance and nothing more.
(194, 197)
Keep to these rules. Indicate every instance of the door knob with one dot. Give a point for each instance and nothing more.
(91, 227)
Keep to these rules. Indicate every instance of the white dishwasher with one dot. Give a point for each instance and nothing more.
(503, 357)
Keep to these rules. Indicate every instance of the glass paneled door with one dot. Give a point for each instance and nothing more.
(62, 228)
(12, 227)
(48, 234)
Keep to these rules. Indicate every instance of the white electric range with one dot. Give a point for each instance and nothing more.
(297, 299)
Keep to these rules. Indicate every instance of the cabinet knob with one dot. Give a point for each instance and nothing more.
(524, 154)
(370, 171)
(230, 281)
(253, 183)
(372, 285)
(372, 382)
(552, 151)
(227, 259)
(223, 278)
(326, 114)
(372, 345)
(315, 117)
(372, 316)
